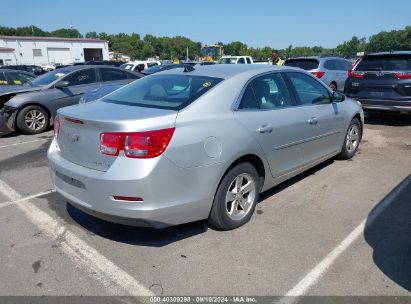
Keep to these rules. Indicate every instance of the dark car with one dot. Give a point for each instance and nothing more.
(15, 78)
(33, 69)
(382, 82)
(32, 110)
(164, 67)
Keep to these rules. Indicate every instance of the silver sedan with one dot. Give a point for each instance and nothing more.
(194, 144)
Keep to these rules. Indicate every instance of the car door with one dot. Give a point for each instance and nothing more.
(78, 83)
(324, 121)
(268, 112)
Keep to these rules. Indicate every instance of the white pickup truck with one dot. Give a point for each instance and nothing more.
(236, 60)
(139, 66)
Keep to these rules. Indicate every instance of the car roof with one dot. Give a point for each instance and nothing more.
(15, 71)
(389, 53)
(72, 68)
(315, 57)
(227, 71)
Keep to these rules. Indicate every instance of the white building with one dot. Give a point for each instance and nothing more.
(48, 50)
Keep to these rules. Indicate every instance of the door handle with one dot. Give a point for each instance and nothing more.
(313, 120)
(265, 129)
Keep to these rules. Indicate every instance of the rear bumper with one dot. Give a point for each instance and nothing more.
(171, 195)
(384, 105)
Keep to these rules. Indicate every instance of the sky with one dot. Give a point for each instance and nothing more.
(257, 23)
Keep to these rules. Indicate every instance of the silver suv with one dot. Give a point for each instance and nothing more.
(333, 71)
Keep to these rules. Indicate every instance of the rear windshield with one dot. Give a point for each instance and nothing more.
(385, 63)
(305, 64)
(171, 92)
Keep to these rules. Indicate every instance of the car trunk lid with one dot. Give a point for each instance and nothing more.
(81, 126)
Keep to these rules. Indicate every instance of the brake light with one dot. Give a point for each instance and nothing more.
(403, 75)
(147, 144)
(111, 143)
(57, 126)
(354, 74)
(318, 74)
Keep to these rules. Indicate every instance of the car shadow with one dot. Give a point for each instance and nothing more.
(31, 159)
(388, 232)
(140, 236)
(387, 119)
(280, 187)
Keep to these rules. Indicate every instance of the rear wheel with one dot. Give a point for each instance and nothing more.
(236, 198)
(32, 120)
(352, 140)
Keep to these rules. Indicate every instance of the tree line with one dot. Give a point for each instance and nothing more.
(176, 47)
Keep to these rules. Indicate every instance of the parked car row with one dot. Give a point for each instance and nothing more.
(380, 81)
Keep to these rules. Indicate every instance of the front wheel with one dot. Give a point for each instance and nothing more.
(352, 140)
(236, 198)
(32, 120)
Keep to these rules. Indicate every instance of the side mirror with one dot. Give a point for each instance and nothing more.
(338, 97)
(62, 84)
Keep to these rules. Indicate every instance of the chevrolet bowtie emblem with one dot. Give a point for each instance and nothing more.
(73, 137)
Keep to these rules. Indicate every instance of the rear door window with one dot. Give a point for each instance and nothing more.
(241, 61)
(305, 64)
(112, 75)
(385, 63)
(248, 60)
(248, 101)
(266, 92)
(309, 90)
(330, 65)
(81, 77)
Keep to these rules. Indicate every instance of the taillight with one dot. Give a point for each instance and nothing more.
(318, 74)
(111, 143)
(147, 144)
(354, 74)
(57, 126)
(403, 75)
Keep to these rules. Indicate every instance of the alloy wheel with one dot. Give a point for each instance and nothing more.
(353, 137)
(35, 120)
(240, 196)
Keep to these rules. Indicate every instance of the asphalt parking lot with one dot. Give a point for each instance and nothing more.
(340, 229)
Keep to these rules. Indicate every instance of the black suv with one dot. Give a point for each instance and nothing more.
(382, 81)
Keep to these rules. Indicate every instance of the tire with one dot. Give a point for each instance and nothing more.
(352, 140)
(231, 210)
(333, 87)
(33, 120)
